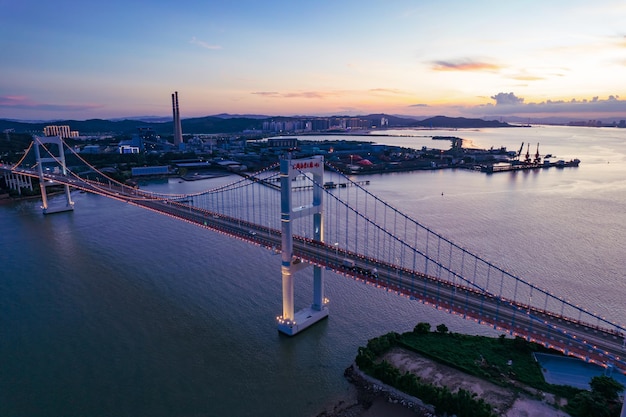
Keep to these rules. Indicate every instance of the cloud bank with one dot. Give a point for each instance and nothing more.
(510, 104)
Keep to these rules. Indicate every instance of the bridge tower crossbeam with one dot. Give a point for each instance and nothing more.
(43, 183)
(291, 322)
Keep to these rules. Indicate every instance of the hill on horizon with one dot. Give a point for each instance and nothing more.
(223, 123)
(460, 122)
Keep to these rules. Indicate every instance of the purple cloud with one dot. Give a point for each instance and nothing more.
(464, 65)
(23, 102)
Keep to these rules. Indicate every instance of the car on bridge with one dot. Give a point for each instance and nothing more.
(351, 265)
(348, 263)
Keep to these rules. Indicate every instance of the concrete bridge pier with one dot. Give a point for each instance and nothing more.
(16, 181)
(291, 323)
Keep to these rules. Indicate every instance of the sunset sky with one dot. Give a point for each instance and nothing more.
(82, 59)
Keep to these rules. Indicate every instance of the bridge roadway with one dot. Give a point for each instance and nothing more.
(573, 337)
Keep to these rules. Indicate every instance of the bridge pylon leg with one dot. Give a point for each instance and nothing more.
(292, 322)
(59, 160)
(288, 291)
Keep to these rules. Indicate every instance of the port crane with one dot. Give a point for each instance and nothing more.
(527, 159)
(537, 156)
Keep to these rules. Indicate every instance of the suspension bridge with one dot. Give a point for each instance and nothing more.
(349, 231)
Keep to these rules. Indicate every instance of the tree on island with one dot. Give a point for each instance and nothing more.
(422, 328)
(601, 401)
(442, 329)
(607, 387)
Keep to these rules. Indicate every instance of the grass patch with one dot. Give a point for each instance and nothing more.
(498, 360)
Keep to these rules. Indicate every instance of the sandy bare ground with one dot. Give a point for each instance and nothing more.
(505, 401)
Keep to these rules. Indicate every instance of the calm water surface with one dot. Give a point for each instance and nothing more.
(115, 311)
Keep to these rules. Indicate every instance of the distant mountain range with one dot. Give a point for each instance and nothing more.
(226, 123)
(459, 122)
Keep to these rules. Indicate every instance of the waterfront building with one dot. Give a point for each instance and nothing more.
(133, 145)
(282, 143)
(155, 170)
(62, 131)
(320, 124)
(124, 149)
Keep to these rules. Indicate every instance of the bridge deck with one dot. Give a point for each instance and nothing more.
(574, 337)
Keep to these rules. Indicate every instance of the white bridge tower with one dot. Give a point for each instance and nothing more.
(290, 322)
(59, 161)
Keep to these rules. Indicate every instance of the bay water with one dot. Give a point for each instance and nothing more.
(111, 310)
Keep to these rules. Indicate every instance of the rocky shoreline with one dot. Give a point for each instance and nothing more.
(370, 393)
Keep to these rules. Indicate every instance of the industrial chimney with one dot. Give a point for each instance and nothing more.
(178, 130)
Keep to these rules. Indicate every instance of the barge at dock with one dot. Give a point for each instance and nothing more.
(507, 167)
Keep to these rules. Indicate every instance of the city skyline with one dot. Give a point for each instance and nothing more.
(71, 60)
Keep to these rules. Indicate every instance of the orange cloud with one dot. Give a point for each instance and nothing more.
(386, 91)
(464, 65)
(528, 78)
(302, 94)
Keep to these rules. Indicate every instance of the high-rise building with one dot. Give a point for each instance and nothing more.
(62, 131)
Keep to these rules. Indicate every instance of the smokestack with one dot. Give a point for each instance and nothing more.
(174, 116)
(173, 108)
(178, 131)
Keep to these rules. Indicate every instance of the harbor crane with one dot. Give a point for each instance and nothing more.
(527, 159)
(537, 156)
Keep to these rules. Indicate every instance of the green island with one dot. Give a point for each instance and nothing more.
(503, 362)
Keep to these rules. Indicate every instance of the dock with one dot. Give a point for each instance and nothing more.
(507, 167)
